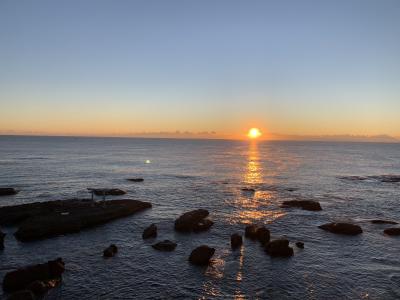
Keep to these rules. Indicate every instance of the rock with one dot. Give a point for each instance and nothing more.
(392, 231)
(20, 279)
(236, 240)
(47, 219)
(342, 228)
(201, 255)
(8, 191)
(38, 287)
(279, 248)
(263, 235)
(300, 245)
(22, 295)
(386, 178)
(304, 204)
(193, 221)
(110, 251)
(150, 232)
(203, 225)
(136, 179)
(2, 235)
(250, 190)
(165, 245)
(108, 192)
(250, 231)
(383, 222)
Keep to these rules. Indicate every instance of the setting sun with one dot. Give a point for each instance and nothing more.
(254, 133)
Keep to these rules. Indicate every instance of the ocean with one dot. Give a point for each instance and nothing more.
(182, 175)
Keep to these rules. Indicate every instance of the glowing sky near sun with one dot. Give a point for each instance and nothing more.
(287, 67)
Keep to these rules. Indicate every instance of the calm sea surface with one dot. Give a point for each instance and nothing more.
(187, 174)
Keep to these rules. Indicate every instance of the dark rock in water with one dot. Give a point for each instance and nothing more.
(150, 232)
(353, 178)
(300, 245)
(304, 204)
(46, 219)
(250, 231)
(21, 279)
(165, 245)
(236, 240)
(383, 222)
(263, 235)
(193, 221)
(342, 228)
(136, 179)
(2, 235)
(250, 190)
(108, 192)
(110, 251)
(201, 255)
(8, 191)
(203, 225)
(279, 248)
(22, 295)
(386, 178)
(39, 287)
(392, 231)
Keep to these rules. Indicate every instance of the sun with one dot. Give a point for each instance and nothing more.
(254, 133)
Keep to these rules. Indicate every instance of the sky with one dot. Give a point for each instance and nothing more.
(291, 68)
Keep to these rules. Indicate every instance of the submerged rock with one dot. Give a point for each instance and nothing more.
(22, 278)
(110, 251)
(279, 248)
(392, 231)
(8, 191)
(201, 255)
(108, 192)
(150, 232)
(386, 178)
(250, 190)
(165, 245)
(300, 245)
(135, 179)
(304, 204)
(342, 228)
(193, 221)
(236, 240)
(22, 295)
(47, 219)
(383, 222)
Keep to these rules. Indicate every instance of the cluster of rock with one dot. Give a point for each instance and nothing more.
(33, 280)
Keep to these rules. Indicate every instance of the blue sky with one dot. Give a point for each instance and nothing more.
(113, 67)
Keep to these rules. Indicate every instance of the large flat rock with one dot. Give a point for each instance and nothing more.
(47, 219)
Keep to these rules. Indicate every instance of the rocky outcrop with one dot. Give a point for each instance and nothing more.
(383, 222)
(201, 255)
(8, 191)
(250, 231)
(303, 204)
(24, 278)
(380, 178)
(108, 192)
(110, 251)
(300, 245)
(165, 245)
(135, 179)
(47, 219)
(392, 231)
(279, 248)
(193, 221)
(150, 232)
(236, 240)
(342, 228)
